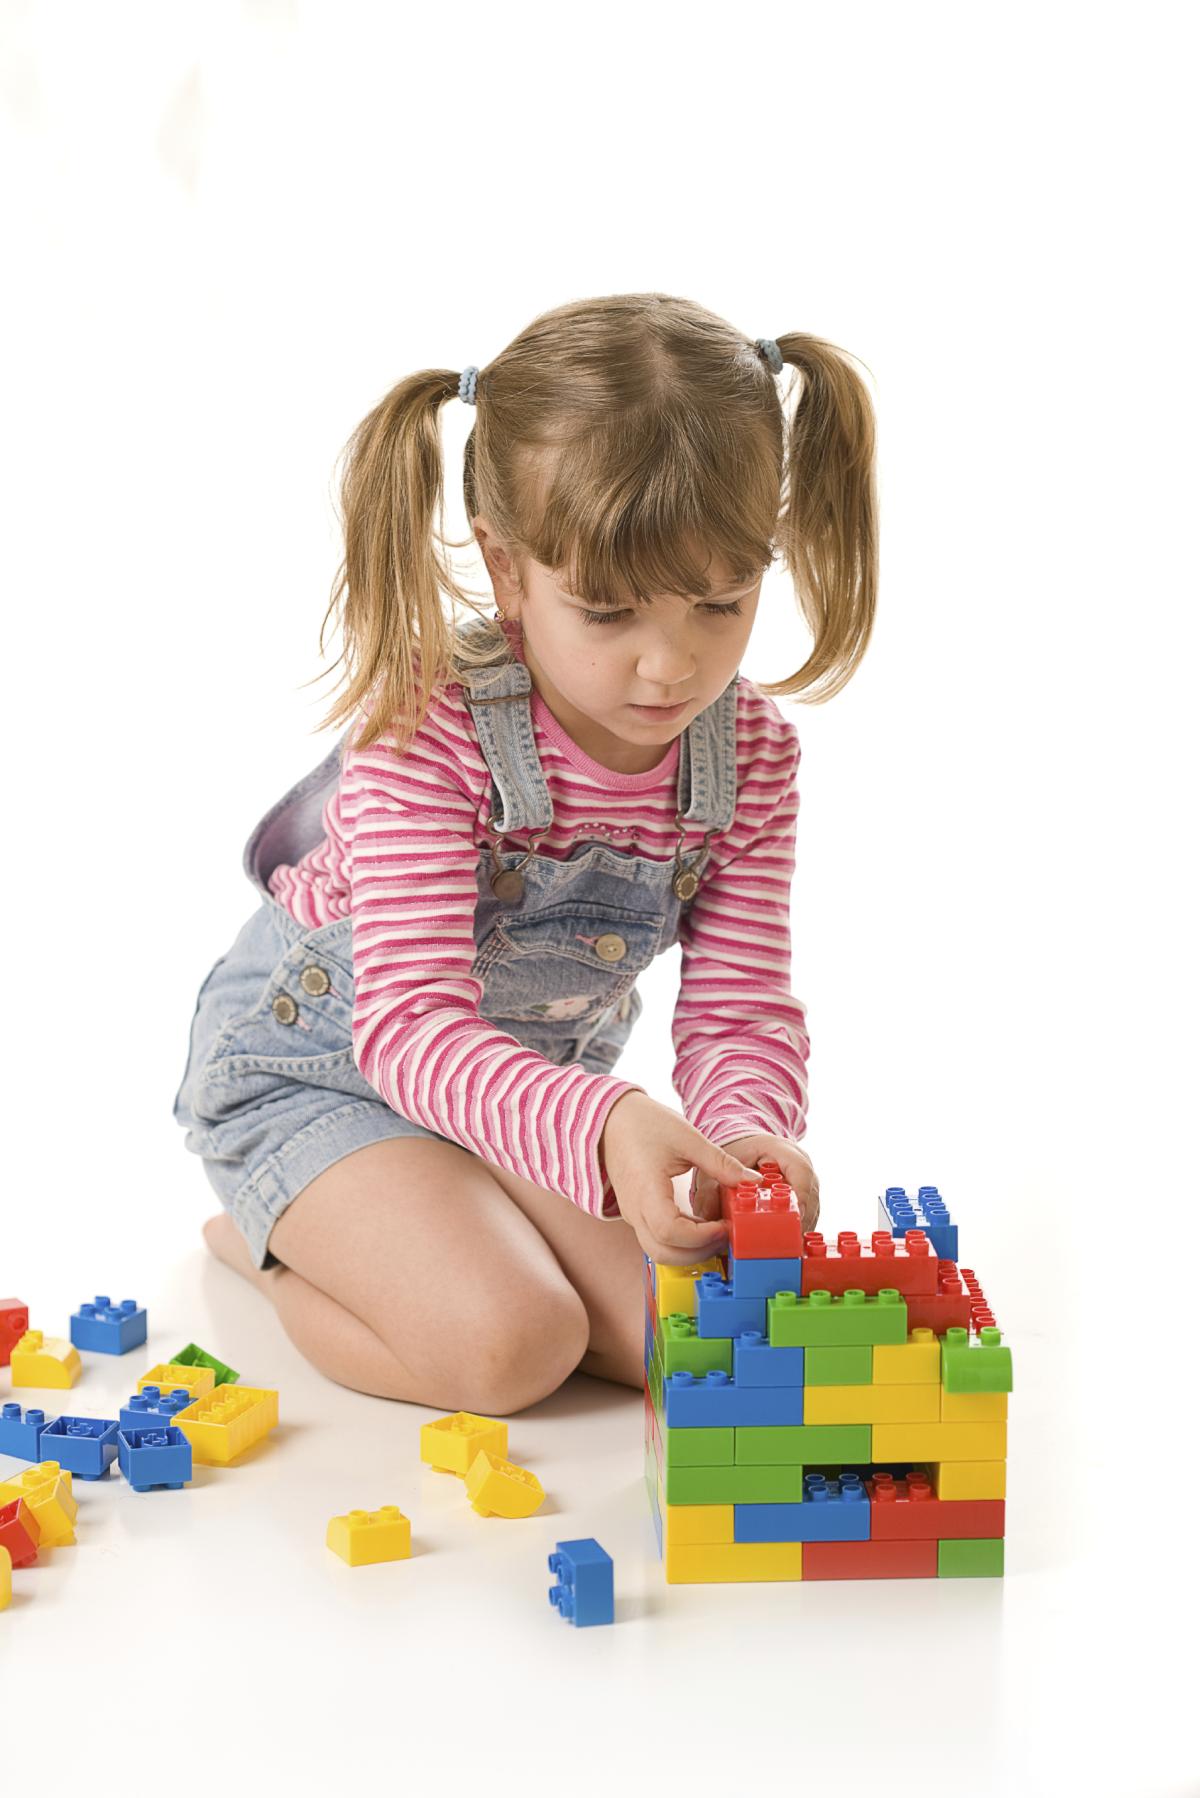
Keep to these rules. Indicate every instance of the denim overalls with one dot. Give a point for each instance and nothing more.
(271, 1094)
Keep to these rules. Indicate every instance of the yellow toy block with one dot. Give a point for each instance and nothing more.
(685, 1526)
(917, 1362)
(46, 1489)
(363, 1538)
(169, 1374)
(970, 1479)
(498, 1488)
(675, 1287)
(974, 1407)
(690, 1564)
(222, 1424)
(937, 1441)
(872, 1404)
(451, 1443)
(5, 1578)
(47, 1361)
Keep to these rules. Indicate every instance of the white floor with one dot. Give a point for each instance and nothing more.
(209, 1632)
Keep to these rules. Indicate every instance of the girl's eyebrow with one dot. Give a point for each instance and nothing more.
(610, 605)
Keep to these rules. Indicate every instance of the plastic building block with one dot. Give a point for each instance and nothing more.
(364, 1538)
(20, 1532)
(46, 1489)
(682, 1349)
(172, 1374)
(150, 1408)
(917, 1362)
(14, 1321)
(835, 1365)
(898, 1214)
(982, 1315)
(909, 1510)
(451, 1443)
(969, 1479)
(968, 1560)
(191, 1355)
(222, 1425)
(716, 1399)
(822, 1319)
(499, 1488)
(718, 1313)
(675, 1287)
(756, 1363)
(6, 1567)
(982, 1367)
(47, 1361)
(729, 1561)
(763, 1277)
(86, 1446)
(20, 1432)
(833, 1510)
(873, 1404)
(911, 1268)
(826, 1445)
(710, 1447)
(689, 1525)
(583, 1588)
(159, 1455)
(870, 1560)
(947, 1308)
(974, 1407)
(103, 1328)
(737, 1485)
(939, 1441)
(762, 1222)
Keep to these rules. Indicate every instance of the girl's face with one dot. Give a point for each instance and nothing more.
(600, 671)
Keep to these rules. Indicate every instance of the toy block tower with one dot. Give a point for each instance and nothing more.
(819, 1410)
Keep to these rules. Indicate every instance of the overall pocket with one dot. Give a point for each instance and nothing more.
(565, 962)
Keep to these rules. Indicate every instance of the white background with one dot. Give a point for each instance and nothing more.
(227, 231)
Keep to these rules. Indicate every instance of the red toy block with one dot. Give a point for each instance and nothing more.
(20, 1532)
(762, 1222)
(906, 1510)
(870, 1560)
(14, 1321)
(949, 1307)
(981, 1312)
(910, 1267)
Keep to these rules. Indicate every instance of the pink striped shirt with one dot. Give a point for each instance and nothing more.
(404, 836)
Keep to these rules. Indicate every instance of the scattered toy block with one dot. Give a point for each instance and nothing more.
(151, 1408)
(14, 1321)
(223, 1424)
(46, 1489)
(583, 1588)
(47, 1361)
(499, 1488)
(20, 1432)
(85, 1446)
(6, 1567)
(157, 1456)
(364, 1538)
(102, 1328)
(191, 1355)
(450, 1444)
(20, 1532)
(823, 1319)
(171, 1375)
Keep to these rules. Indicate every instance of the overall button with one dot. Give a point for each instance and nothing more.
(314, 980)
(285, 1008)
(610, 946)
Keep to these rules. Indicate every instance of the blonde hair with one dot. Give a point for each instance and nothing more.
(614, 438)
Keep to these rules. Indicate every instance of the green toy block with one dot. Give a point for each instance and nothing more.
(734, 1485)
(699, 1448)
(969, 1558)
(830, 1443)
(839, 1366)
(682, 1350)
(193, 1356)
(983, 1367)
(819, 1320)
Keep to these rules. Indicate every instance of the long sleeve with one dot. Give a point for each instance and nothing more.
(740, 1035)
(407, 823)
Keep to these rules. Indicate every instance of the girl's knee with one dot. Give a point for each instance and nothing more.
(520, 1352)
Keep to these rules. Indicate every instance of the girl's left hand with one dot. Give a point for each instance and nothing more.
(794, 1164)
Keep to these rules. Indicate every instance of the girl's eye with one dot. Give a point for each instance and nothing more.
(714, 611)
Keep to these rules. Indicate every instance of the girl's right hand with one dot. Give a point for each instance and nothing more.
(645, 1145)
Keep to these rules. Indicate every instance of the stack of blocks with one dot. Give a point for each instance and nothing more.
(818, 1411)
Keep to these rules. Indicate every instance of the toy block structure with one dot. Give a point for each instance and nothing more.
(103, 1328)
(825, 1410)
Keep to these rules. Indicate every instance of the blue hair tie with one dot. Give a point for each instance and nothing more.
(466, 385)
(768, 348)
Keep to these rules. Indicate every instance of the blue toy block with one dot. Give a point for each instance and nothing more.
(87, 1446)
(151, 1408)
(832, 1510)
(763, 1279)
(756, 1363)
(583, 1572)
(715, 1400)
(107, 1329)
(897, 1214)
(155, 1457)
(20, 1435)
(719, 1313)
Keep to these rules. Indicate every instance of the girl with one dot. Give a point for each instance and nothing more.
(399, 1076)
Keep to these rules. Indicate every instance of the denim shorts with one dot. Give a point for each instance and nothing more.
(268, 1109)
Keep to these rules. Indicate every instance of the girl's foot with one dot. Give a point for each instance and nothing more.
(229, 1245)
